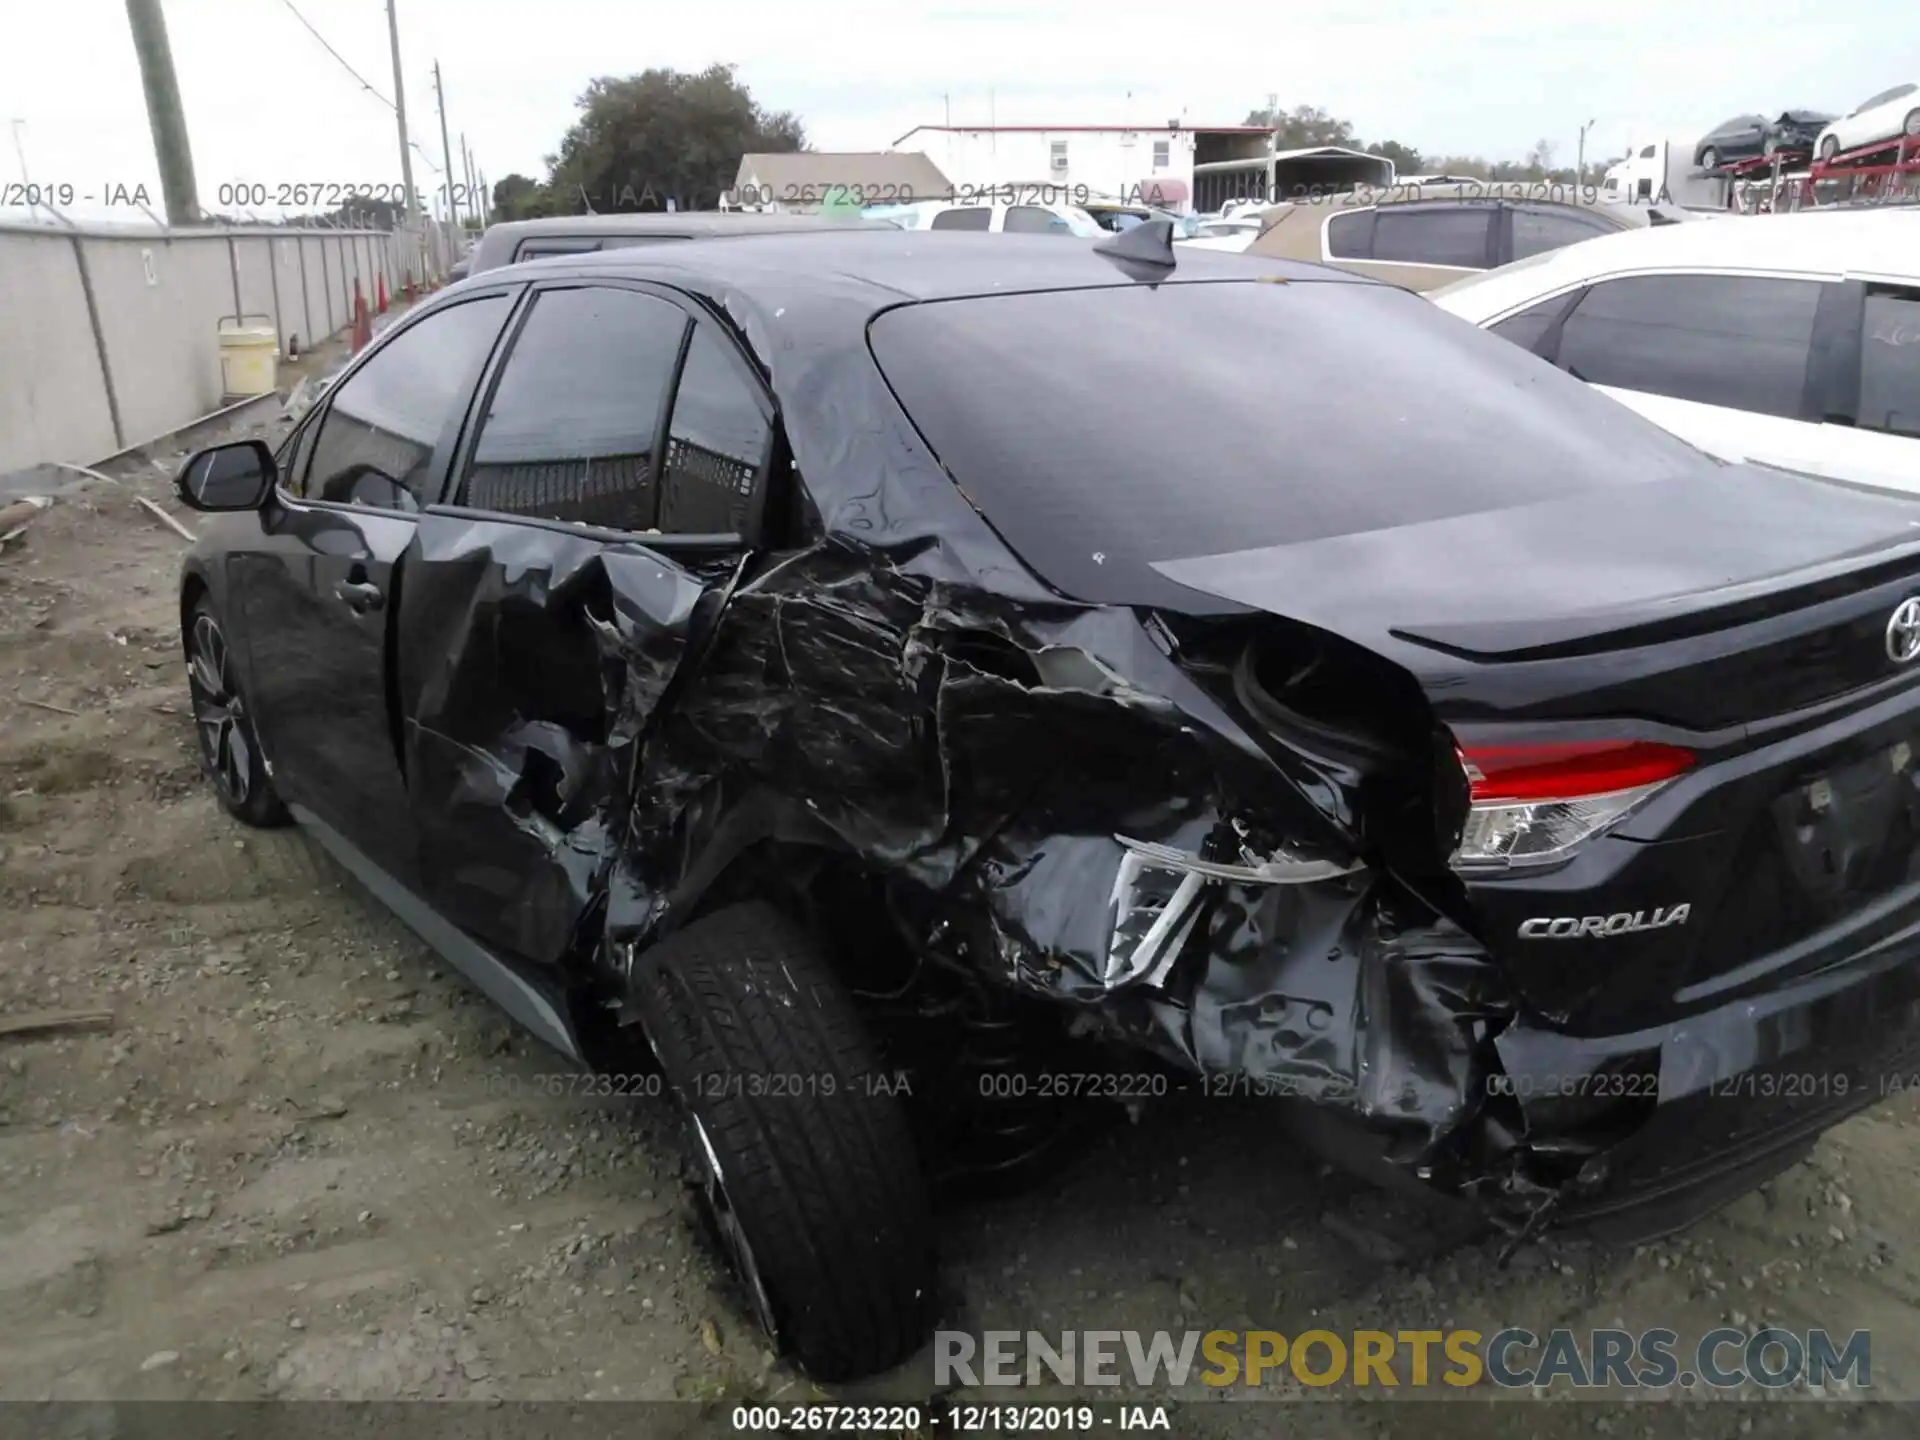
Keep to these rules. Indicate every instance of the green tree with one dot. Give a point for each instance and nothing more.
(662, 135)
(1406, 160)
(1303, 126)
(517, 197)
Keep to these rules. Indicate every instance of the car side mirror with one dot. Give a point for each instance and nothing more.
(237, 476)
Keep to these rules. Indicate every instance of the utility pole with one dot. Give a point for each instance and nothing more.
(1580, 164)
(408, 208)
(164, 116)
(446, 145)
(473, 191)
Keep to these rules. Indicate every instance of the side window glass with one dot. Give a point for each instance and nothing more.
(963, 217)
(1452, 236)
(1537, 231)
(376, 441)
(1890, 363)
(1033, 220)
(1731, 340)
(543, 249)
(1530, 326)
(569, 429)
(716, 447)
(1350, 235)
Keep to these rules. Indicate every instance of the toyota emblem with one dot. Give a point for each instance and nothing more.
(1903, 631)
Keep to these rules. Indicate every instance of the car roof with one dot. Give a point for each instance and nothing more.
(914, 265)
(1811, 241)
(1295, 213)
(670, 222)
(497, 245)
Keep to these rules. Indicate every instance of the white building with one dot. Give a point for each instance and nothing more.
(1124, 161)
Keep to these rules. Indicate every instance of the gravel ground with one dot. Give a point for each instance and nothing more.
(301, 1159)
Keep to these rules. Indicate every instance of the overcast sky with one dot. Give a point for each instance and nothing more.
(266, 103)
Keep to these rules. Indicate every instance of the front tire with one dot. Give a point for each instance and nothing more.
(1829, 148)
(230, 754)
(1911, 125)
(1709, 159)
(806, 1163)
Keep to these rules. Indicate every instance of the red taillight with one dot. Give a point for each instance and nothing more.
(1505, 774)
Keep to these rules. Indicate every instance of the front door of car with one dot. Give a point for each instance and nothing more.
(1731, 363)
(607, 494)
(316, 597)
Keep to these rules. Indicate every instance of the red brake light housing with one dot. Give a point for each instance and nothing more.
(1533, 804)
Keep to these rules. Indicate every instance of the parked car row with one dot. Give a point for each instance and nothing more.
(782, 665)
(1746, 136)
(1888, 115)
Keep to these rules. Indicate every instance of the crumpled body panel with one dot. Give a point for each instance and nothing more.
(611, 727)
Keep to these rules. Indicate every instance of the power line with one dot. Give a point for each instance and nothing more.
(365, 84)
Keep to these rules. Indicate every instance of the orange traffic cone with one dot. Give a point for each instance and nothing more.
(381, 305)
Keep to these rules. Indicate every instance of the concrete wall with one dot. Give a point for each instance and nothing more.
(158, 299)
(53, 404)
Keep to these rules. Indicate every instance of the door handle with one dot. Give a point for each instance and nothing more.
(360, 596)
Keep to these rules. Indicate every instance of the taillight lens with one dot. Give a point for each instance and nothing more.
(1533, 803)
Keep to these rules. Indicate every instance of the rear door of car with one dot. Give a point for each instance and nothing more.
(316, 598)
(604, 495)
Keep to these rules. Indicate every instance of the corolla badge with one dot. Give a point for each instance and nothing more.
(1596, 927)
(1903, 631)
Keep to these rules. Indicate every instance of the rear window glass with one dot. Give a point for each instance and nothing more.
(1297, 412)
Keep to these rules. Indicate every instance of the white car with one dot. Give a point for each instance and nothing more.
(1792, 340)
(1032, 218)
(1886, 116)
(1233, 236)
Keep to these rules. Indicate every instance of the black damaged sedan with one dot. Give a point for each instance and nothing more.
(854, 678)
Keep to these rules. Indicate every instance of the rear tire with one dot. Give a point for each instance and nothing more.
(808, 1165)
(1911, 125)
(229, 747)
(1829, 148)
(1709, 159)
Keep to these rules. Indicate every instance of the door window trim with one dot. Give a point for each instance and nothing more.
(1507, 312)
(1821, 357)
(1503, 226)
(437, 466)
(1326, 246)
(696, 314)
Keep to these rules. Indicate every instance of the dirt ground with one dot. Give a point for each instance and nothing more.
(304, 1160)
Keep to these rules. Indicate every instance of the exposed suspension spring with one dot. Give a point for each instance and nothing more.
(1007, 1121)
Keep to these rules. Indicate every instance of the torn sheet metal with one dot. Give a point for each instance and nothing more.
(604, 741)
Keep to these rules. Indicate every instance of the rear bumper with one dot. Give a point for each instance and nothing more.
(1677, 1120)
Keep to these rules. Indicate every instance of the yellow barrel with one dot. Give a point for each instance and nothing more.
(249, 355)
